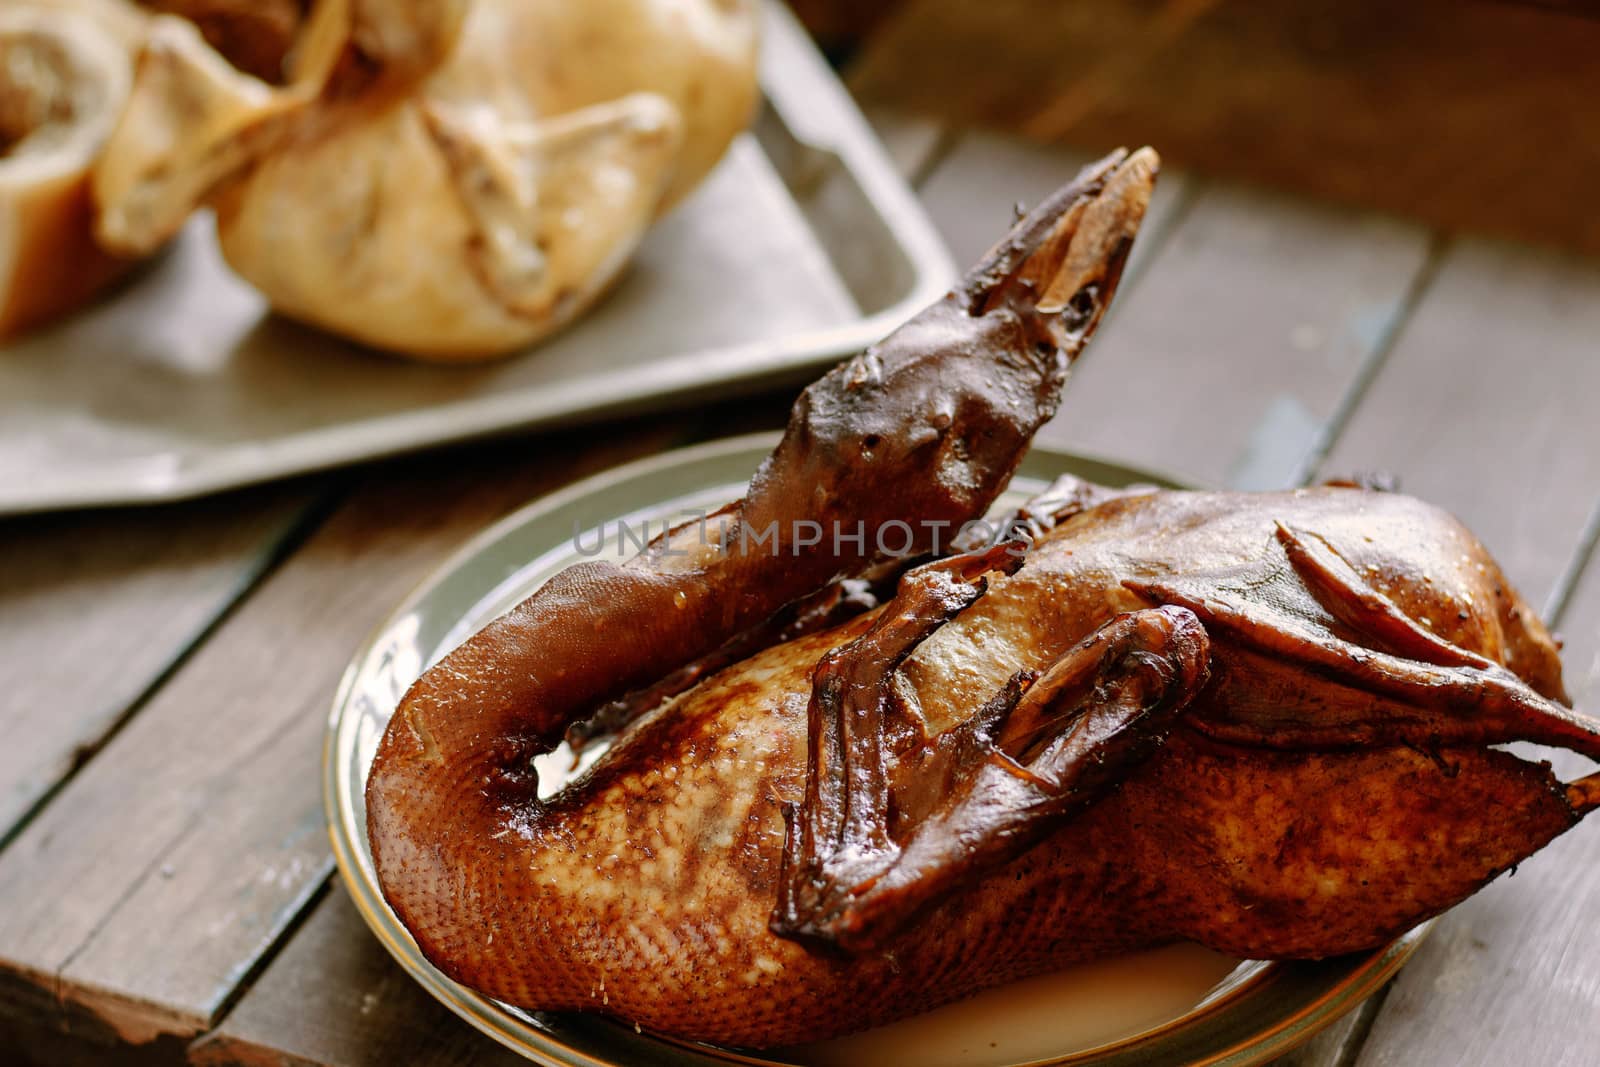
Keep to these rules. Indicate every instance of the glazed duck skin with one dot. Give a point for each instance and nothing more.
(651, 883)
(928, 425)
(1258, 721)
(1315, 661)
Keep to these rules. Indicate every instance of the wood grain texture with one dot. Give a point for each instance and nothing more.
(1463, 116)
(95, 607)
(1234, 338)
(1487, 405)
(334, 997)
(973, 193)
(150, 888)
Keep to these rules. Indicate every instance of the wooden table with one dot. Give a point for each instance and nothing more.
(165, 878)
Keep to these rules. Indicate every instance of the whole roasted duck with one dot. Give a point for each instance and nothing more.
(1258, 721)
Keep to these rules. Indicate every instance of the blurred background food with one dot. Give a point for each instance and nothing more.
(334, 184)
(65, 69)
(449, 179)
(253, 35)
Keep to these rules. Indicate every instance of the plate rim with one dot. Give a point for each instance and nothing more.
(1367, 972)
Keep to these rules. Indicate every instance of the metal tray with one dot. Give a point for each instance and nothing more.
(1255, 1013)
(803, 246)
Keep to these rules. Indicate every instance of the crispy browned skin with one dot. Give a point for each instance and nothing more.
(927, 426)
(649, 886)
(1256, 721)
(1315, 622)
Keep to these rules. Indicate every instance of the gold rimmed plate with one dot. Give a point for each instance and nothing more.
(1180, 1005)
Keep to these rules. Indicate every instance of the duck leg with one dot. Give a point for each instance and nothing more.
(1391, 681)
(1043, 749)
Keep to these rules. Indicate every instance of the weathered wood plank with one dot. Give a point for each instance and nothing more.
(1458, 115)
(973, 192)
(1244, 338)
(140, 898)
(334, 997)
(1236, 338)
(95, 607)
(1487, 405)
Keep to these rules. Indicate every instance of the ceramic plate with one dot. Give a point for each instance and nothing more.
(1175, 1006)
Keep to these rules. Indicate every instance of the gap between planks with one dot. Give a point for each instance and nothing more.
(1276, 310)
(102, 606)
(333, 995)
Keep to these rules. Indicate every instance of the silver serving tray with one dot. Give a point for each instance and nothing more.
(1251, 1016)
(803, 246)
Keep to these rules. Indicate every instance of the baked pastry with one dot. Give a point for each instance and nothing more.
(448, 179)
(65, 71)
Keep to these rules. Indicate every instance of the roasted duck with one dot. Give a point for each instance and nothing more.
(1262, 722)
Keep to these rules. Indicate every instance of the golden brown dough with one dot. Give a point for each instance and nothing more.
(253, 35)
(449, 179)
(65, 71)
